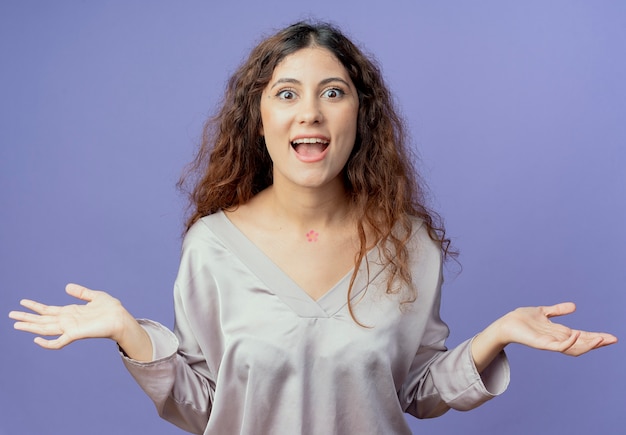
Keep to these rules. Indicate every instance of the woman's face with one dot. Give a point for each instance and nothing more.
(309, 118)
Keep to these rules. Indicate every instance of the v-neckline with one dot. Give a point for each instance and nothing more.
(281, 284)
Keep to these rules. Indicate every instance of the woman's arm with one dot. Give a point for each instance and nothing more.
(531, 326)
(102, 316)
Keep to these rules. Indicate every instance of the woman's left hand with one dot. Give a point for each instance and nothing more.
(531, 326)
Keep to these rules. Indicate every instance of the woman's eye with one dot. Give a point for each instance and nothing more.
(333, 93)
(286, 94)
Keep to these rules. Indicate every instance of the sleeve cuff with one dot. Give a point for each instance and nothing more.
(164, 343)
(459, 383)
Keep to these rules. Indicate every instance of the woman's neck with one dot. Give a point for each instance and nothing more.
(308, 207)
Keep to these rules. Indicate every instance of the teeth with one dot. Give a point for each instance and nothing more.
(309, 140)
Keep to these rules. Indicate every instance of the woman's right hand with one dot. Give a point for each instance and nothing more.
(102, 316)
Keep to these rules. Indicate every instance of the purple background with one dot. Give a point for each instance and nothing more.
(518, 110)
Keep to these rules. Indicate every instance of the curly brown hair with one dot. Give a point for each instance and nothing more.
(232, 164)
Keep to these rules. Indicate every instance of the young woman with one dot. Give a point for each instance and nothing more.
(307, 299)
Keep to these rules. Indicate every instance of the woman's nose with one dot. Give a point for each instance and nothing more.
(310, 111)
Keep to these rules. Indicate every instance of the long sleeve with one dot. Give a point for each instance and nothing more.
(440, 379)
(176, 380)
(450, 380)
(179, 380)
(454, 378)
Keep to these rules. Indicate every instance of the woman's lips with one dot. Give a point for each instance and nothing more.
(310, 149)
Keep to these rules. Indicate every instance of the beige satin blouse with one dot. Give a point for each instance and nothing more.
(252, 353)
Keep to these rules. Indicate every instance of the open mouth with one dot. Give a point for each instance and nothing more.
(310, 147)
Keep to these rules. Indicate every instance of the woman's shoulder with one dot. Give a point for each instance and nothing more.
(204, 229)
(421, 239)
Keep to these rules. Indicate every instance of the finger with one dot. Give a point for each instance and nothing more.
(80, 292)
(38, 307)
(566, 345)
(603, 343)
(561, 309)
(606, 339)
(583, 346)
(598, 343)
(54, 344)
(29, 317)
(17, 315)
(39, 329)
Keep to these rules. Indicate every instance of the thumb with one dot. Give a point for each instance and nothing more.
(561, 309)
(80, 292)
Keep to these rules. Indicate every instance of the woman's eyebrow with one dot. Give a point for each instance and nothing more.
(334, 79)
(285, 80)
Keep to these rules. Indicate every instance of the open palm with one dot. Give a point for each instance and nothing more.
(532, 327)
(100, 317)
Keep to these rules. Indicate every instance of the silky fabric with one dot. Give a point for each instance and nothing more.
(252, 353)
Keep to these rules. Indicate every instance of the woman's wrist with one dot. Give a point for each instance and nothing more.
(489, 343)
(133, 339)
